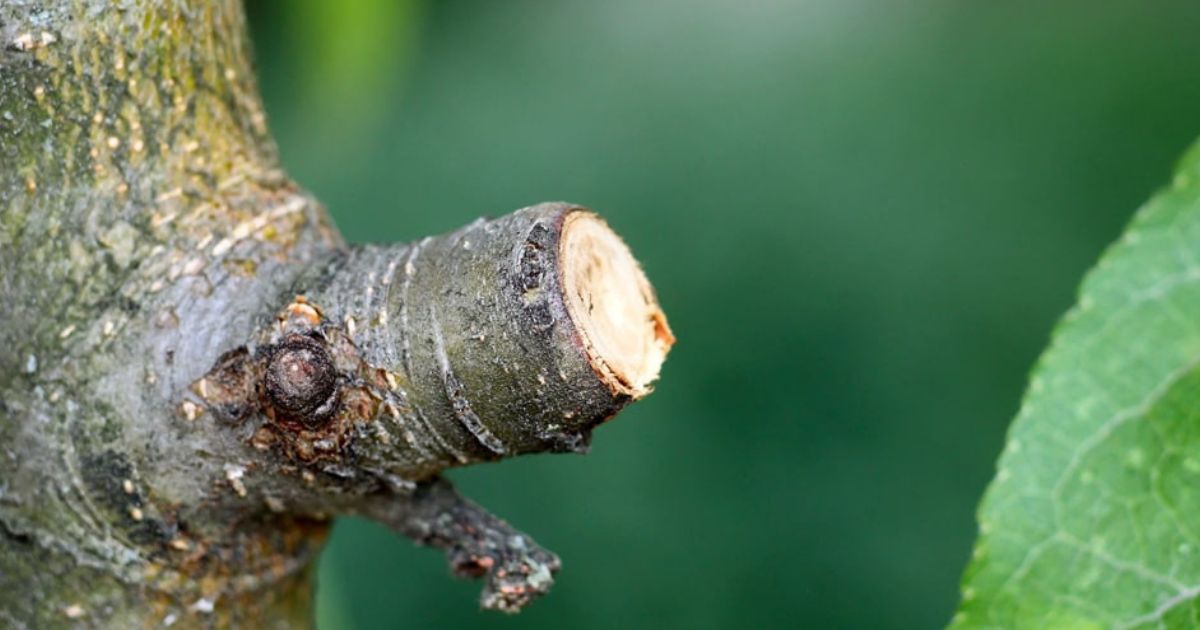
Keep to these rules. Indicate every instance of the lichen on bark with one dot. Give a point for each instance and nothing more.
(196, 374)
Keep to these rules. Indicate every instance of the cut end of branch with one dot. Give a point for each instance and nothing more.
(612, 305)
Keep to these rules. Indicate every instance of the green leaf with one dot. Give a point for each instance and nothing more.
(1093, 518)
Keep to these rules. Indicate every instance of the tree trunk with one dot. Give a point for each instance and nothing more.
(196, 374)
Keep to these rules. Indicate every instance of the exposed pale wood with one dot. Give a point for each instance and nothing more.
(612, 305)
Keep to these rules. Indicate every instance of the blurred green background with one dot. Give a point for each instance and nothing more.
(862, 219)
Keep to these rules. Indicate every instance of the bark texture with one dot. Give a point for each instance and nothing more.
(196, 373)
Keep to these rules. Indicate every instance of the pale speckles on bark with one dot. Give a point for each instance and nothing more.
(135, 135)
(143, 220)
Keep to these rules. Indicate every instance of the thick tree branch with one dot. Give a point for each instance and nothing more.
(482, 352)
(195, 373)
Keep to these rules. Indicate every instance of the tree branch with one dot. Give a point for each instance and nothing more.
(477, 544)
(195, 372)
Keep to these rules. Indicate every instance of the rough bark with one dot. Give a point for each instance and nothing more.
(196, 373)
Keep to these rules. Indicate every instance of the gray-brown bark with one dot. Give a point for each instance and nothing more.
(195, 373)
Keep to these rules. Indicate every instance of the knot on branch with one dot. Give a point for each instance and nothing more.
(306, 381)
(301, 382)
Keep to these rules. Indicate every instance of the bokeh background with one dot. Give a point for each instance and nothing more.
(862, 218)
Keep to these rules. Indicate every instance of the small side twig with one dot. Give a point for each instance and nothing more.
(477, 544)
